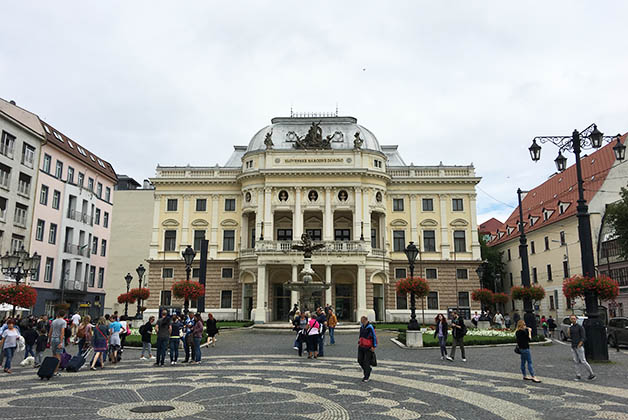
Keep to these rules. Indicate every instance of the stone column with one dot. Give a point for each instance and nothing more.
(185, 224)
(362, 309)
(328, 217)
(357, 214)
(414, 229)
(213, 238)
(297, 216)
(475, 244)
(328, 281)
(268, 215)
(259, 214)
(444, 226)
(366, 217)
(154, 240)
(244, 231)
(383, 231)
(262, 295)
(294, 295)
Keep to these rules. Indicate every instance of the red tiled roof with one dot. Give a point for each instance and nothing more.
(491, 225)
(72, 148)
(560, 188)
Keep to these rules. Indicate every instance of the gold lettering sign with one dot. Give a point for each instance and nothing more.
(314, 160)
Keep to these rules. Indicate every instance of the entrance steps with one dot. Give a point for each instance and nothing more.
(286, 326)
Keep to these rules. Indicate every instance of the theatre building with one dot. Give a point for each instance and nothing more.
(329, 177)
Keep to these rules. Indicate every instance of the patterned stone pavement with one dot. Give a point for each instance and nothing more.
(281, 386)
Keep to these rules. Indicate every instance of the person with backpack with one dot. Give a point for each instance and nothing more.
(366, 348)
(114, 341)
(458, 331)
(312, 332)
(146, 331)
(124, 331)
(84, 334)
(100, 343)
(551, 324)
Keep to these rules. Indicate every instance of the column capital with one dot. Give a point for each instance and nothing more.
(357, 189)
(328, 187)
(215, 197)
(268, 190)
(297, 188)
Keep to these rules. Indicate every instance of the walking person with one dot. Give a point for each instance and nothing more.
(441, 333)
(187, 336)
(197, 336)
(212, 330)
(8, 344)
(175, 336)
(312, 331)
(100, 343)
(499, 320)
(578, 336)
(84, 334)
(551, 325)
(366, 347)
(76, 320)
(322, 320)
(124, 331)
(146, 331)
(332, 321)
(524, 335)
(114, 340)
(163, 337)
(458, 331)
(40, 347)
(56, 338)
(30, 338)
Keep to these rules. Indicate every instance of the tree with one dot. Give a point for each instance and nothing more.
(617, 217)
(494, 265)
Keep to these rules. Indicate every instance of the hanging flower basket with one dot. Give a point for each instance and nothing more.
(534, 293)
(190, 290)
(502, 298)
(417, 285)
(484, 296)
(20, 295)
(605, 287)
(126, 298)
(141, 293)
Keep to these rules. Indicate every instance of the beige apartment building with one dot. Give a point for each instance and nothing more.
(551, 226)
(329, 177)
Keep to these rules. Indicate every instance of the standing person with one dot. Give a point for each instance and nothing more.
(56, 338)
(312, 331)
(8, 344)
(146, 331)
(366, 347)
(475, 319)
(551, 324)
(175, 336)
(197, 336)
(76, 320)
(322, 320)
(524, 335)
(84, 333)
(332, 321)
(499, 320)
(40, 347)
(43, 323)
(30, 338)
(578, 336)
(212, 330)
(545, 326)
(163, 337)
(114, 340)
(516, 318)
(292, 313)
(441, 333)
(187, 336)
(100, 343)
(458, 331)
(124, 331)
(301, 329)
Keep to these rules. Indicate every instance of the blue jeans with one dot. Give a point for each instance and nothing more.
(29, 351)
(8, 355)
(162, 346)
(197, 349)
(332, 339)
(174, 349)
(186, 348)
(442, 342)
(526, 356)
(321, 344)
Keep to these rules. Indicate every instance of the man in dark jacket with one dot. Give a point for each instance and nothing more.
(322, 319)
(458, 331)
(578, 336)
(146, 331)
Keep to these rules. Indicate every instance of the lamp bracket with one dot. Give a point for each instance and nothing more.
(564, 142)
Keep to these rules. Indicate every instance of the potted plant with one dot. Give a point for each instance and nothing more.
(502, 298)
(126, 298)
(484, 296)
(577, 286)
(189, 290)
(141, 293)
(534, 293)
(20, 295)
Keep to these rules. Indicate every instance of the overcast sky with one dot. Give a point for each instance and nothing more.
(142, 83)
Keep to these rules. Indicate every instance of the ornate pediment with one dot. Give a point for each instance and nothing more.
(459, 223)
(429, 223)
(313, 220)
(229, 222)
(200, 222)
(170, 223)
(398, 222)
(313, 139)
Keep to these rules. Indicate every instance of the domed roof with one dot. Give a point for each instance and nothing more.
(340, 131)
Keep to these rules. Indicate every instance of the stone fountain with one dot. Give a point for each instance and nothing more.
(307, 286)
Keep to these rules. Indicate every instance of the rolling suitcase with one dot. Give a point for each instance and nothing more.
(77, 362)
(65, 359)
(47, 368)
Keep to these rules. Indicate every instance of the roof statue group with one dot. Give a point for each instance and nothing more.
(313, 139)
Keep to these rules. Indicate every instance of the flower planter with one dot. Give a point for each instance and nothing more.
(414, 339)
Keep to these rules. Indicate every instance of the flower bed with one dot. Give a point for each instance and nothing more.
(473, 338)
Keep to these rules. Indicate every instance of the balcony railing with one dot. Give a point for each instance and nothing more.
(331, 247)
(82, 250)
(80, 217)
(79, 285)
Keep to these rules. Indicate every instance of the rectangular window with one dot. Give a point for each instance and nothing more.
(460, 242)
(431, 273)
(3, 210)
(166, 298)
(230, 204)
(92, 276)
(5, 176)
(511, 282)
(24, 184)
(400, 273)
(284, 234)
(107, 194)
(549, 272)
(556, 298)
(81, 179)
(373, 238)
(399, 240)
(101, 277)
(563, 241)
(402, 301)
(342, 234)
(397, 204)
(43, 195)
(59, 170)
(566, 269)
(56, 198)
(428, 204)
(90, 184)
(6, 147)
(35, 275)
(17, 242)
(48, 270)
(227, 273)
(196, 273)
(39, 233)
(28, 155)
(170, 240)
(532, 248)
(95, 245)
(535, 277)
(97, 216)
(171, 205)
(52, 236)
(463, 299)
(456, 204)
(103, 247)
(508, 253)
(70, 175)
(47, 164)
(551, 303)
(19, 218)
(315, 234)
(105, 220)
(225, 299)
(99, 190)
(546, 243)
(432, 300)
(167, 273)
(568, 303)
(201, 204)
(462, 273)
(228, 240)
(199, 235)
(429, 240)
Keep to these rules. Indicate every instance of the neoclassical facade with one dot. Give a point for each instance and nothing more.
(330, 178)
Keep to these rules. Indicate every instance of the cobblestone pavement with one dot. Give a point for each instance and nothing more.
(257, 375)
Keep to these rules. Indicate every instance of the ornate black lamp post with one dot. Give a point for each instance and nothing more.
(188, 256)
(140, 275)
(480, 272)
(590, 137)
(528, 317)
(412, 252)
(19, 265)
(128, 278)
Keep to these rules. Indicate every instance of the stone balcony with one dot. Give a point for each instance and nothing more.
(332, 248)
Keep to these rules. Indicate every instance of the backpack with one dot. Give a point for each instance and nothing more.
(81, 331)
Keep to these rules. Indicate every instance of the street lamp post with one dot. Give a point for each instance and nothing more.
(595, 345)
(19, 265)
(411, 252)
(528, 317)
(480, 272)
(128, 278)
(140, 275)
(188, 257)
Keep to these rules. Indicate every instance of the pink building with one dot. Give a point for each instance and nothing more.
(71, 225)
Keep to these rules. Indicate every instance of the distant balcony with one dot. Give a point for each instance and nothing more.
(82, 250)
(80, 217)
(78, 285)
(330, 248)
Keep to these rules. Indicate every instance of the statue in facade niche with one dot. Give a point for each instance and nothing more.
(308, 246)
(357, 141)
(313, 139)
(268, 142)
